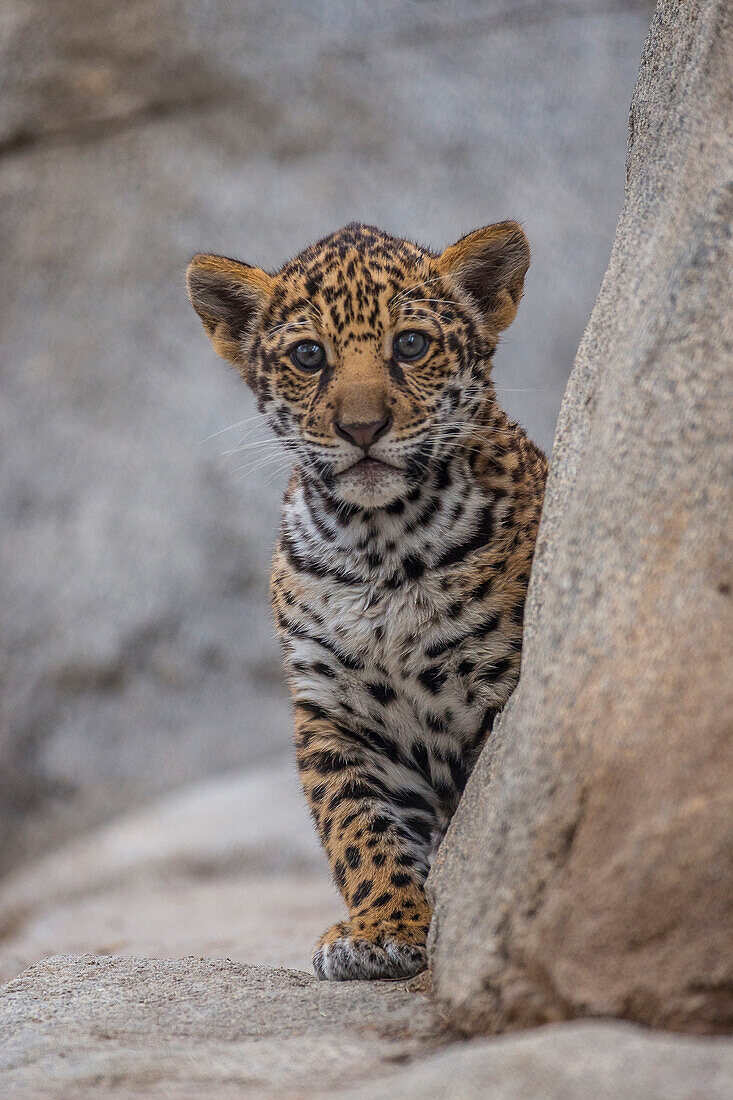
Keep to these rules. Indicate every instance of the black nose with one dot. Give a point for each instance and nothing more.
(363, 435)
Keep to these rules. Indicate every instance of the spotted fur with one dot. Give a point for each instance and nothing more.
(398, 594)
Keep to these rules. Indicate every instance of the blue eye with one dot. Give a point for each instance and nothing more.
(410, 345)
(308, 355)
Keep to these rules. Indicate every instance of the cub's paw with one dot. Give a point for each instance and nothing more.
(354, 951)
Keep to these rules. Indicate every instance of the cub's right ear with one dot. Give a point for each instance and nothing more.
(227, 295)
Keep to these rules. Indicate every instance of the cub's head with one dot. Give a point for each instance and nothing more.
(369, 355)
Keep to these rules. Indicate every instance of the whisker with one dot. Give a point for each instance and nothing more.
(278, 441)
(416, 286)
(253, 467)
(229, 427)
(273, 477)
(445, 301)
(287, 324)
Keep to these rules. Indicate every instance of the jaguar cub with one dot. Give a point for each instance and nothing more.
(408, 530)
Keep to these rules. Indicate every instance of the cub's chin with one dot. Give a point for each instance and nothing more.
(371, 484)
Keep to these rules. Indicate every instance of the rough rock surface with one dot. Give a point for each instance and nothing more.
(588, 869)
(136, 651)
(180, 1027)
(230, 868)
(78, 1027)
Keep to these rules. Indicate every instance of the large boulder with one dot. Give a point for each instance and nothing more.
(137, 651)
(588, 869)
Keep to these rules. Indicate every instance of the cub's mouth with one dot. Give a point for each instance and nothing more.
(369, 469)
(371, 483)
(368, 465)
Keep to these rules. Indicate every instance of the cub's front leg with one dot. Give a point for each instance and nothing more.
(377, 838)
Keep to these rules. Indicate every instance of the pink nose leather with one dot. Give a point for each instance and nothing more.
(363, 435)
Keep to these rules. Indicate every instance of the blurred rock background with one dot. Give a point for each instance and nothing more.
(137, 653)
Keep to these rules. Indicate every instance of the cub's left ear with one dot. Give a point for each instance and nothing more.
(489, 265)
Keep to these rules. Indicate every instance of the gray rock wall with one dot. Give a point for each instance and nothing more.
(588, 869)
(136, 647)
